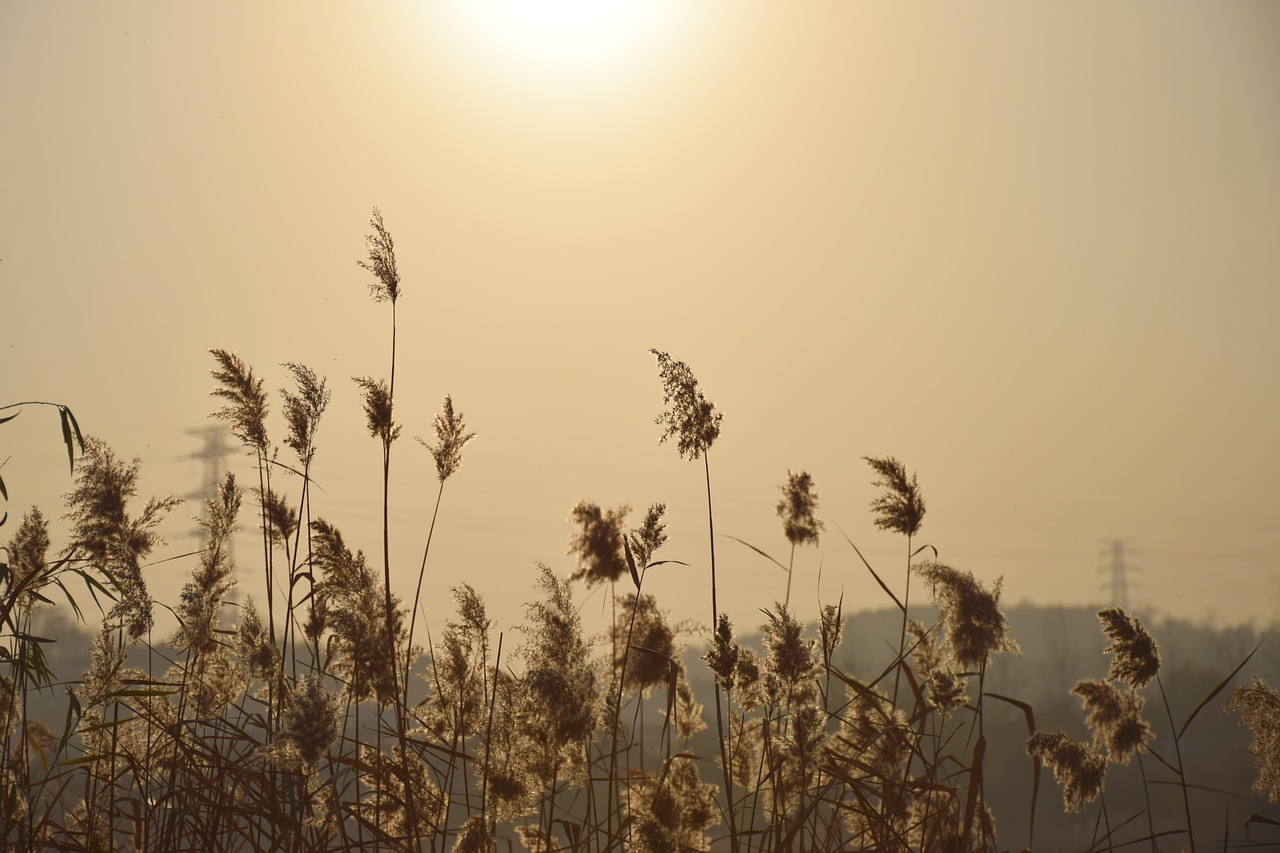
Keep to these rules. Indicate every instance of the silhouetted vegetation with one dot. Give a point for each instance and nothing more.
(289, 723)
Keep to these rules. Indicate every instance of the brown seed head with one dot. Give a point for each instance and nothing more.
(901, 507)
(797, 509)
(1137, 659)
(690, 417)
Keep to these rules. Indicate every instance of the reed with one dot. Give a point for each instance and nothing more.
(262, 723)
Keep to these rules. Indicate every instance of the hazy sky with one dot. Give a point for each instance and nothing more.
(1030, 249)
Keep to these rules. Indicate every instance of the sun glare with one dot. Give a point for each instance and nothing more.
(565, 40)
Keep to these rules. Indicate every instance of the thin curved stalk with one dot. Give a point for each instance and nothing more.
(417, 595)
(715, 615)
(1182, 778)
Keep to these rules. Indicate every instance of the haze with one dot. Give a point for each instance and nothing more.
(1028, 249)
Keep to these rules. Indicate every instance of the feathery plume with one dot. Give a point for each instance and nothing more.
(797, 507)
(311, 721)
(650, 536)
(382, 261)
(830, 630)
(681, 809)
(652, 642)
(474, 837)
(598, 543)
(302, 410)
(975, 625)
(246, 410)
(281, 519)
(560, 695)
(690, 418)
(102, 527)
(377, 408)
(1115, 716)
(350, 601)
(688, 709)
(901, 507)
(944, 686)
(1075, 767)
(258, 654)
(791, 657)
(202, 596)
(1260, 703)
(722, 658)
(451, 437)
(27, 550)
(1137, 659)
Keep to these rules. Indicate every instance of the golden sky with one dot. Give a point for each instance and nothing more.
(1030, 249)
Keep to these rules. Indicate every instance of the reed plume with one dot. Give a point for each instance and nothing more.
(1260, 703)
(798, 509)
(27, 552)
(1115, 717)
(1136, 657)
(246, 396)
(975, 626)
(598, 543)
(302, 410)
(1076, 768)
(901, 507)
(378, 409)
(451, 437)
(650, 536)
(691, 419)
(381, 261)
(105, 531)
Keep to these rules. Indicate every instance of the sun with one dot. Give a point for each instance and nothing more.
(563, 40)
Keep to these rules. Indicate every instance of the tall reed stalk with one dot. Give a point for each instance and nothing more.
(693, 421)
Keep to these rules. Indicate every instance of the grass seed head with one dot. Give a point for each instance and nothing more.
(281, 518)
(790, 657)
(797, 509)
(256, 650)
(474, 837)
(651, 535)
(690, 417)
(202, 596)
(1260, 703)
(1136, 657)
(27, 551)
(302, 410)
(246, 396)
(1115, 717)
(598, 543)
(901, 507)
(382, 261)
(946, 690)
(451, 437)
(311, 721)
(106, 532)
(1079, 771)
(722, 658)
(652, 642)
(378, 409)
(976, 627)
(830, 630)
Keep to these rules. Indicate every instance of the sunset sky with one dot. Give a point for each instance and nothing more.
(1030, 249)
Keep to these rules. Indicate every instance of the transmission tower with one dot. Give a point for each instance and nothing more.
(1117, 572)
(214, 456)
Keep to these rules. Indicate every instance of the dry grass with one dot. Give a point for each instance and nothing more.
(288, 726)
